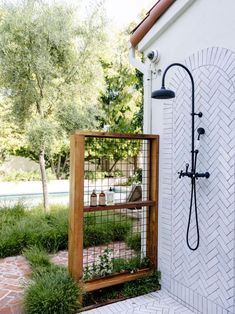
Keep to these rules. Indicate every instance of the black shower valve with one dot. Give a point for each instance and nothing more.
(186, 173)
(199, 114)
(187, 165)
(200, 132)
(181, 174)
(202, 175)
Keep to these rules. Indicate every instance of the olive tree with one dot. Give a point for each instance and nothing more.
(49, 66)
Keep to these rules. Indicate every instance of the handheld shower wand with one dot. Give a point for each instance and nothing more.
(164, 93)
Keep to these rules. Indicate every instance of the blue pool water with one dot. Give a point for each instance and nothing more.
(36, 198)
(54, 198)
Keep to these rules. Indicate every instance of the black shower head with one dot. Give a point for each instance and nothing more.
(163, 93)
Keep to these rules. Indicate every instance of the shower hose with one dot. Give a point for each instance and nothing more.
(193, 197)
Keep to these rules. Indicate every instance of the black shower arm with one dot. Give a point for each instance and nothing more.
(193, 109)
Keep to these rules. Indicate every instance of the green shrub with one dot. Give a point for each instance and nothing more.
(119, 265)
(37, 257)
(94, 175)
(134, 242)
(141, 286)
(96, 234)
(52, 292)
(103, 266)
(20, 228)
(10, 214)
(131, 264)
(89, 219)
(12, 241)
(120, 230)
(20, 175)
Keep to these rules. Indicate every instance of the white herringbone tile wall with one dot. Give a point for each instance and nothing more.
(203, 279)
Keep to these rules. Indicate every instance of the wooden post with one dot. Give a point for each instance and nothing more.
(152, 225)
(75, 257)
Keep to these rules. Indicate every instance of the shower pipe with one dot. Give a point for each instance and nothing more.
(164, 93)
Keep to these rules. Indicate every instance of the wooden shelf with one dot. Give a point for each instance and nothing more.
(118, 135)
(112, 280)
(119, 206)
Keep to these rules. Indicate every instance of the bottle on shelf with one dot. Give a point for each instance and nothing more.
(102, 199)
(110, 197)
(93, 199)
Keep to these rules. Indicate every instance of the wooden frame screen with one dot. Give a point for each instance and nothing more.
(78, 208)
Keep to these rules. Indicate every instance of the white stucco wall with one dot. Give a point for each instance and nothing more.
(202, 38)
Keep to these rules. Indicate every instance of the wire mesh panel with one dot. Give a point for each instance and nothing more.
(118, 208)
(116, 164)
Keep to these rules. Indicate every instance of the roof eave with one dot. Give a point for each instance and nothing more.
(147, 23)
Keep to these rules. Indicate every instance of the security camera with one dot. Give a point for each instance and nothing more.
(153, 56)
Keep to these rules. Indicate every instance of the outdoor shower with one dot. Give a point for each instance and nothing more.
(164, 93)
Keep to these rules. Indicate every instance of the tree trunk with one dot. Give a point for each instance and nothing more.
(114, 164)
(58, 173)
(44, 180)
(135, 158)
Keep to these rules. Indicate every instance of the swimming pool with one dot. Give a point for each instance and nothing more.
(31, 199)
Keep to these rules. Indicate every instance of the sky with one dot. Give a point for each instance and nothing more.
(122, 12)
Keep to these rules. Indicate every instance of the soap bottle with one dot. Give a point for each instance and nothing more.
(110, 197)
(93, 199)
(102, 199)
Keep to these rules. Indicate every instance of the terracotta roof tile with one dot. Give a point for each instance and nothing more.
(147, 23)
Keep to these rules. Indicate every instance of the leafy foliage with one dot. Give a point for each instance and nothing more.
(131, 264)
(21, 228)
(52, 290)
(134, 241)
(37, 257)
(11, 136)
(122, 98)
(103, 266)
(121, 102)
(141, 286)
(106, 265)
(26, 176)
(96, 233)
(49, 59)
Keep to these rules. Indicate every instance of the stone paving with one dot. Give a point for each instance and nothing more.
(118, 249)
(14, 271)
(159, 302)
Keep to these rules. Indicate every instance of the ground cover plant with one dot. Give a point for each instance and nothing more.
(21, 228)
(106, 265)
(134, 241)
(103, 228)
(52, 289)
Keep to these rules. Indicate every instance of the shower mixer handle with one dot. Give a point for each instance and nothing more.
(181, 174)
(202, 175)
(187, 165)
(186, 173)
